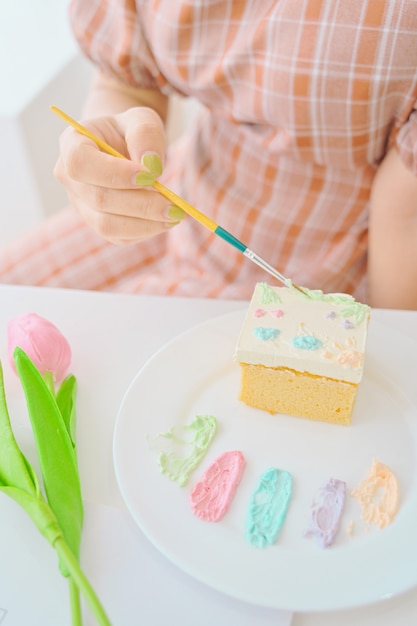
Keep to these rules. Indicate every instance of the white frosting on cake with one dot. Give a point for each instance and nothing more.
(316, 333)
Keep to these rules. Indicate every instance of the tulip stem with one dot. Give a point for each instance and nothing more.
(81, 581)
(75, 603)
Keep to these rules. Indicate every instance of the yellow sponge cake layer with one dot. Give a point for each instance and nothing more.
(282, 390)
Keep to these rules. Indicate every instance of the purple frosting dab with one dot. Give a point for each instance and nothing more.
(326, 512)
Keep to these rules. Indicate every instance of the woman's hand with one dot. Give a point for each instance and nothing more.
(107, 190)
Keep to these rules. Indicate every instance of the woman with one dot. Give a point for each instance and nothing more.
(305, 149)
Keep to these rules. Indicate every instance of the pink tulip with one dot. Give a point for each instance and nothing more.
(42, 342)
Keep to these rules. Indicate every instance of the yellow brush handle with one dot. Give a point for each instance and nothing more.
(188, 208)
(105, 147)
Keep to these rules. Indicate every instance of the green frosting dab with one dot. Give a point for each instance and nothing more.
(187, 445)
(268, 507)
(268, 295)
(357, 310)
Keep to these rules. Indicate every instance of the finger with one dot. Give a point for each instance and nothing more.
(139, 203)
(144, 133)
(122, 229)
(81, 160)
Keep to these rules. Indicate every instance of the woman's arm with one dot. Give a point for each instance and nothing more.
(392, 261)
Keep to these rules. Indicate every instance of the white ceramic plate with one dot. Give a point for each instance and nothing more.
(195, 374)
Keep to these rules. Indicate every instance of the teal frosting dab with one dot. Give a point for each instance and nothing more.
(266, 334)
(307, 342)
(268, 507)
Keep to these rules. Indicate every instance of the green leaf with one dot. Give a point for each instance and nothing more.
(43, 517)
(55, 450)
(15, 469)
(39, 511)
(65, 399)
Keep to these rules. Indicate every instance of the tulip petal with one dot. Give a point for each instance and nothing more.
(42, 342)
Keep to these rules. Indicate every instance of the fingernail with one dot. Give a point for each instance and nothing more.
(144, 179)
(153, 163)
(175, 213)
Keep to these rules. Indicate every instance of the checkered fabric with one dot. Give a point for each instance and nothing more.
(302, 99)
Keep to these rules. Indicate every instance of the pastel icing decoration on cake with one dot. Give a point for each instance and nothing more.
(307, 342)
(313, 366)
(268, 295)
(266, 334)
(326, 512)
(268, 507)
(184, 447)
(212, 495)
(378, 495)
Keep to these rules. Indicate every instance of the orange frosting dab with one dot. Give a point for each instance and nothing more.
(378, 495)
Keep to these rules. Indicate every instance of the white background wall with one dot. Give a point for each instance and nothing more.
(40, 65)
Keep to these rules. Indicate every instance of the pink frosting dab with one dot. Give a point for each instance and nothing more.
(326, 512)
(213, 493)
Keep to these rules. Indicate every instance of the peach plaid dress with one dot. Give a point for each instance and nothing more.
(301, 99)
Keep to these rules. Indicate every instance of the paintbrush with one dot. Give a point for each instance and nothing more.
(188, 208)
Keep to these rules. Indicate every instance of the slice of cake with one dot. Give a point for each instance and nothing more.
(302, 354)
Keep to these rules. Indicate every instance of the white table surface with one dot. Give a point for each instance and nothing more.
(111, 337)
